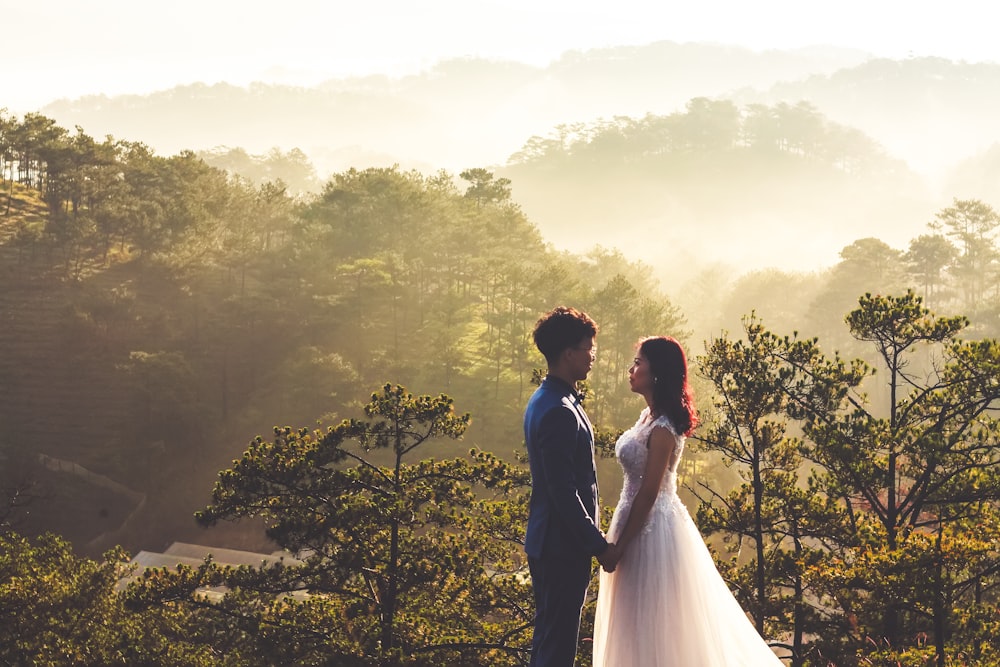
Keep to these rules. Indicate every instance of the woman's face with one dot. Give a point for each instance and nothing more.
(640, 377)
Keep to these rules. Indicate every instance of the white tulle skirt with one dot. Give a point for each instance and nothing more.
(666, 605)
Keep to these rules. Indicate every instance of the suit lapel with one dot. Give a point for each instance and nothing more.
(578, 406)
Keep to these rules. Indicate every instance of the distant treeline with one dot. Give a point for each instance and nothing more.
(701, 182)
(707, 127)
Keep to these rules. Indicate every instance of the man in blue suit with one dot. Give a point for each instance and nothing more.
(563, 533)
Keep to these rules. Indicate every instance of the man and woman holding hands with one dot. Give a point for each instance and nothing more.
(661, 601)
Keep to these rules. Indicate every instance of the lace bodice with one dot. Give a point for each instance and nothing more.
(631, 451)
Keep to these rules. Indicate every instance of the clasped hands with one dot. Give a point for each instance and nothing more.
(609, 557)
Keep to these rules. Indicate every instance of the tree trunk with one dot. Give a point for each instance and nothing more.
(758, 529)
(798, 614)
(940, 609)
(392, 570)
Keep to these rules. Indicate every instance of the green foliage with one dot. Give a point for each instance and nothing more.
(163, 391)
(292, 167)
(705, 126)
(867, 265)
(58, 609)
(927, 258)
(789, 526)
(402, 562)
(973, 225)
(627, 310)
(879, 539)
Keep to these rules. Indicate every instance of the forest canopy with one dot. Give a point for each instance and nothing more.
(161, 311)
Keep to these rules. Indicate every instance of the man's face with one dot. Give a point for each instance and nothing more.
(582, 357)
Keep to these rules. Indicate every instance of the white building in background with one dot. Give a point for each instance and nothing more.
(194, 555)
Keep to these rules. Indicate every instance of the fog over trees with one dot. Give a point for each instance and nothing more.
(935, 117)
(300, 319)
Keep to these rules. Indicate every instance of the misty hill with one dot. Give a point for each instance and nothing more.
(920, 133)
(930, 112)
(459, 114)
(938, 117)
(754, 187)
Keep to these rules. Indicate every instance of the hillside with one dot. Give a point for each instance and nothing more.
(928, 112)
(935, 121)
(49, 358)
(72, 417)
(931, 112)
(753, 188)
(460, 114)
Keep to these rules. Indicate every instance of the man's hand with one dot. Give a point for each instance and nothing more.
(609, 557)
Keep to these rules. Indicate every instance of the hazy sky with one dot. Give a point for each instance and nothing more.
(68, 48)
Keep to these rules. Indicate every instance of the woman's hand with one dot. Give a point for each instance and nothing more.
(609, 557)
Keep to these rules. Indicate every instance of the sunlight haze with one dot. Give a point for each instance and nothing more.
(234, 237)
(450, 84)
(113, 47)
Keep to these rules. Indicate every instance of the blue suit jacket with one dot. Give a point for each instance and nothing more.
(562, 516)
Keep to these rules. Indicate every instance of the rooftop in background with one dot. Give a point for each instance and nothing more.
(194, 555)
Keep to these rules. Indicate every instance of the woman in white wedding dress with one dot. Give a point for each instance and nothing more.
(665, 604)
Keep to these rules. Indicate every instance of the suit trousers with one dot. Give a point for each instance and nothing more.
(560, 587)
